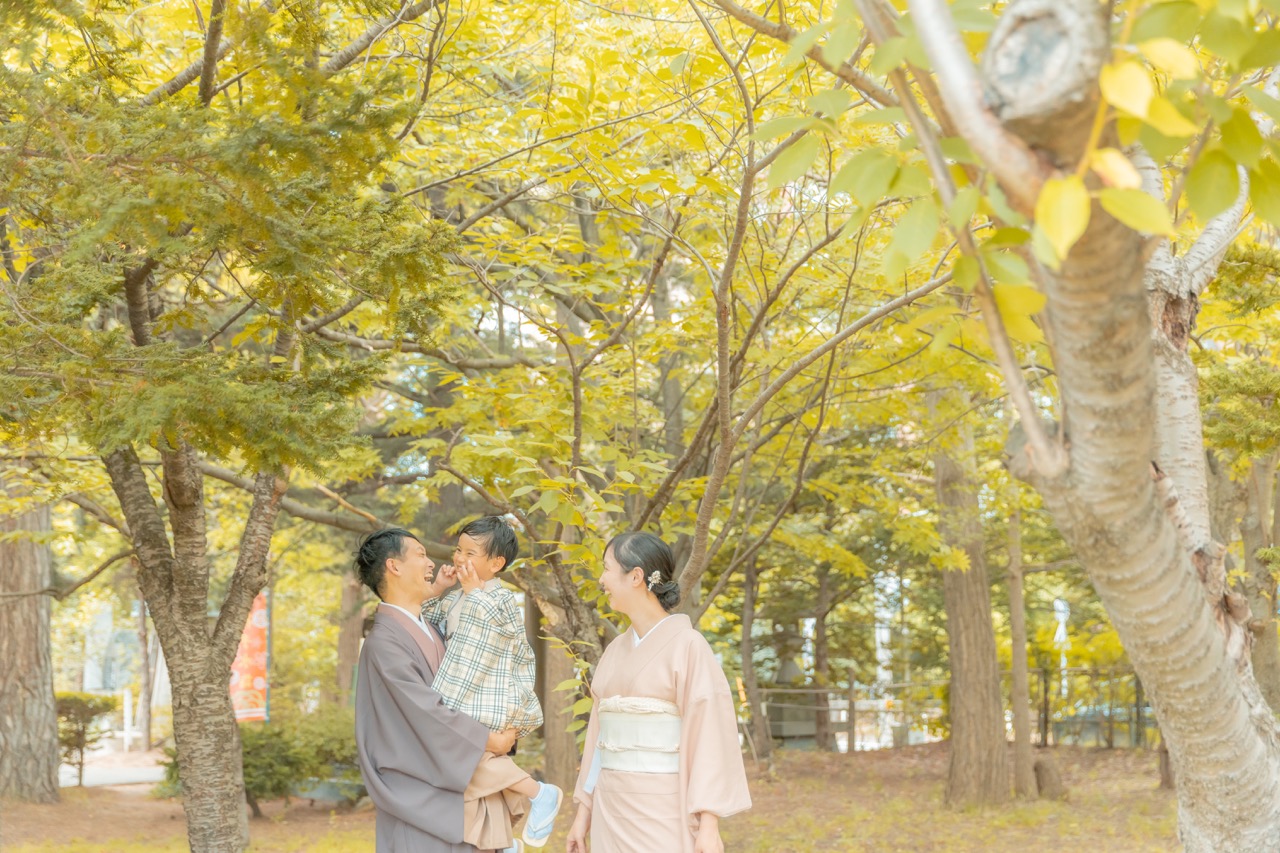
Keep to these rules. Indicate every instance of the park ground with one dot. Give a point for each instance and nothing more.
(871, 801)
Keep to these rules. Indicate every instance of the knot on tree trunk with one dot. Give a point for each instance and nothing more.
(1041, 70)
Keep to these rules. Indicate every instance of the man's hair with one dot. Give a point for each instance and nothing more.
(497, 537)
(375, 549)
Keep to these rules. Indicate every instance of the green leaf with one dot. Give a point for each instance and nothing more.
(912, 237)
(1265, 52)
(800, 44)
(1138, 210)
(1241, 139)
(1212, 184)
(966, 272)
(1062, 212)
(883, 115)
(784, 126)
(1262, 101)
(843, 42)
(1264, 190)
(866, 176)
(1006, 267)
(831, 102)
(971, 16)
(963, 207)
(794, 162)
(1177, 21)
(1226, 37)
(522, 491)
(888, 56)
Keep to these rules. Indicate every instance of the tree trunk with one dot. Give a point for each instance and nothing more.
(144, 677)
(175, 582)
(1024, 778)
(1163, 592)
(977, 772)
(209, 758)
(1258, 584)
(350, 628)
(28, 716)
(759, 723)
(822, 664)
(560, 744)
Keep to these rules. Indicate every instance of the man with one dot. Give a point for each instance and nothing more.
(416, 754)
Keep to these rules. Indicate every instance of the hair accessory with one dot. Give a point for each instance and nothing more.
(655, 578)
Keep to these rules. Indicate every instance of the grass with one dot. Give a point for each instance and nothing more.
(874, 802)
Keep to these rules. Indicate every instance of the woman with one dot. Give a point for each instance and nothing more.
(662, 763)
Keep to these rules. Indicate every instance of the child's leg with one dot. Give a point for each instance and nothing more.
(489, 810)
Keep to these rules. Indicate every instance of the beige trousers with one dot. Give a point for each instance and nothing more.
(490, 809)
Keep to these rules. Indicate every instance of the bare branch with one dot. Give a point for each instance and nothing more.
(462, 362)
(852, 75)
(212, 41)
(348, 54)
(62, 592)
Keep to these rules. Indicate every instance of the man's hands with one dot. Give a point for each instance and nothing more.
(470, 580)
(500, 743)
(578, 832)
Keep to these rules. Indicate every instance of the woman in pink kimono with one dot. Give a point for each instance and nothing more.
(662, 764)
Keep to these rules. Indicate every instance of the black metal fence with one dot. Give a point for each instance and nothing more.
(1085, 706)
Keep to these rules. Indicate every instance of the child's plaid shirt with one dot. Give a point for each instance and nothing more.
(488, 671)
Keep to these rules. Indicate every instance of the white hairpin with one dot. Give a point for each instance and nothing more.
(655, 578)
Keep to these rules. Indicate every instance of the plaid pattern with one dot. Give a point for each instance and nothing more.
(488, 667)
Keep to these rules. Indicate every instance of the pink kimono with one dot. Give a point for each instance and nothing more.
(657, 809)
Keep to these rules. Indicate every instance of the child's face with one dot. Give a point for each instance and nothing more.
(472, 551)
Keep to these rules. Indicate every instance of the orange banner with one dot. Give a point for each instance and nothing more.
(249, 669)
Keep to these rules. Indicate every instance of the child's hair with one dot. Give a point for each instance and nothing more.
(375, 549)
(497, 537)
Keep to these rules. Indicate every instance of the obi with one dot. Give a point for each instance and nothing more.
(639, 735)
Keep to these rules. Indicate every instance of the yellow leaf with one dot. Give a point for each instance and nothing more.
(1164, 117)
(1172, 57)
(1139, 211)
(1115, 169)
(1127, 87)
(1018, 299)
(1062, 212)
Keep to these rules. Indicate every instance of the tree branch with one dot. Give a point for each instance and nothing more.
(62, 592)
(1020, 170)
(348, 54)
(212, 40)
(461, 362)
(851, 74)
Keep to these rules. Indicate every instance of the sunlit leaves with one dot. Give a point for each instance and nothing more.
(1137, 210)
(1212, 184)
(1062, 213)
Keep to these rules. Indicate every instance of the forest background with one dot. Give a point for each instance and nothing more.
(277, 274)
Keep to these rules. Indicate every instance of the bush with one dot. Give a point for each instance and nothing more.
(77, 713)
(286, 754)
(273, 762)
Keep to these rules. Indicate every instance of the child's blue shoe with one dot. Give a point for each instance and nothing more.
(542, 815)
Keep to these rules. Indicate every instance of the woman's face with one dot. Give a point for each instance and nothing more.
(618, 584)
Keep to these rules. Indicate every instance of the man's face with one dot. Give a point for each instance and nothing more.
(413, 569)
(472, 551)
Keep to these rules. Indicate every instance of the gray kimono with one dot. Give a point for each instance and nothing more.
(416, 755)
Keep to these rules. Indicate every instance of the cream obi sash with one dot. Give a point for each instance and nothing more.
(639, 734)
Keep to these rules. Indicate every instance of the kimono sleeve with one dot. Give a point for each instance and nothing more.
(436, 610)
(712, 756)
(416, 754)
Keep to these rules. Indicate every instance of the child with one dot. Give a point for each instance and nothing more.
(488, 674)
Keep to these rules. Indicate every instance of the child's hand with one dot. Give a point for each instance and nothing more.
(446, 577)
(470, 580)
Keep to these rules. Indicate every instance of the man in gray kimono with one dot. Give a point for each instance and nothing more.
(416, 755)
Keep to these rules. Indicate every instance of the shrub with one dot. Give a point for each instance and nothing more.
(77, 713)
(273, 762)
